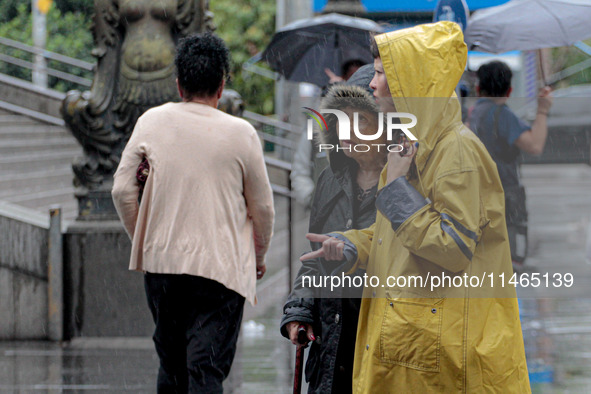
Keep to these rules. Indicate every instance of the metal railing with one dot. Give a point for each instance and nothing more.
(271, 131)
(280, 130)
(48, 55)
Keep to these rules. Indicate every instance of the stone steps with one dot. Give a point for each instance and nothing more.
(40, 198)
(52, 160)
(19, 131)
(41, 177)
(45, 196)
(36, 164)
(12, 119)
(69, 208)
(35, 145)
(41, 203)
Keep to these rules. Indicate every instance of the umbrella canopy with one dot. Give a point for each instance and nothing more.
(529, 24)
(301, 50)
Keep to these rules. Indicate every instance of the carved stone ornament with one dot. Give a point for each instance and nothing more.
(135, 43)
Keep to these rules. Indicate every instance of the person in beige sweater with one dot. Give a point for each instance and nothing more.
(204, 223)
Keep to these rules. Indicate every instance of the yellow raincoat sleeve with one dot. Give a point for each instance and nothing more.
(445, 231)
(361, 239)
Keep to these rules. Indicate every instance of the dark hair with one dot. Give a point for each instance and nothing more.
(202, 63)
(373, 47)
(494, 79)
(356, 63)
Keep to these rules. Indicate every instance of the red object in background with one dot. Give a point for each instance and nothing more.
(299, 363)
(142, 173)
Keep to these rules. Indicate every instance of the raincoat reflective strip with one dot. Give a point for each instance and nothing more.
(448, 229)
(460, 227)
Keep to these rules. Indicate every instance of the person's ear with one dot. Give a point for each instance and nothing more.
(478, 90)
(179, 88)
(509, 91)
(221, 89)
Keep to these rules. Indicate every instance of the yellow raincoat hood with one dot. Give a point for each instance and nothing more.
(419, 339)
(423, 65)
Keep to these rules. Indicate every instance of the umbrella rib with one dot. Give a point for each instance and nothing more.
(545, 7)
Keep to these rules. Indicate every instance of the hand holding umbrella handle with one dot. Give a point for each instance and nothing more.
(302, 335)
(545, 100)
(542, 72)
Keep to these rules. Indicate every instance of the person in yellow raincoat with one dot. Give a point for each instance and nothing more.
(440, 215)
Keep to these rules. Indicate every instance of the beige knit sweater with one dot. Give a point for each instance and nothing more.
(207, 206)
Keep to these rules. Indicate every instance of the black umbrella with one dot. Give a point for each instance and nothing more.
(301, 50)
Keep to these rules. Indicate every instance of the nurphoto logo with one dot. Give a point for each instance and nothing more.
(344, 129)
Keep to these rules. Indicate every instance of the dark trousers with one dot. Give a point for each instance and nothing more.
(197, 325)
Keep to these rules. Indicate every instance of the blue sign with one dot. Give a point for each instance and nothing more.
(379, 6)
(453, 11)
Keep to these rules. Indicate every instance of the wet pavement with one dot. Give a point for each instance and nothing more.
(263, 364)
(556, 321)
(556, 324)
(43, 367)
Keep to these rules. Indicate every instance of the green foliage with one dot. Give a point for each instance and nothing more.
(570, 56)
(247, 27)
(67, 34)
(9, 9)
(84, 7)
(19, 29)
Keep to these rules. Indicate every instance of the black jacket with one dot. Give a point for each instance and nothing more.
(334, 319)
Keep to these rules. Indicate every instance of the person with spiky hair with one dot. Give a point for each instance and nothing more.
(344, 198)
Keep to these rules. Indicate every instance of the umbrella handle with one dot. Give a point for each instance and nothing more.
(541, 61)
(299, 369)
(299, 362)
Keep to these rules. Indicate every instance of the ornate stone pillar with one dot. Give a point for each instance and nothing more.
(135, 44)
